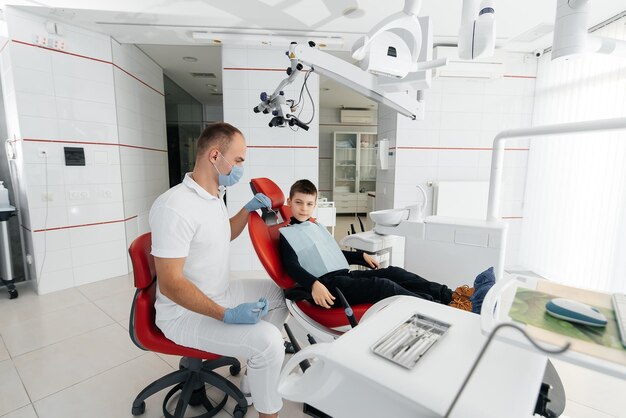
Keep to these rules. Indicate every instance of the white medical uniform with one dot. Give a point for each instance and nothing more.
(188, 222)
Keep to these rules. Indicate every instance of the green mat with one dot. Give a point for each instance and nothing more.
(529, 307)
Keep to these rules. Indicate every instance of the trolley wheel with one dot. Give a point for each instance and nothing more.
(239, 412)
(235, 369)
(13, 294)
(138, 410)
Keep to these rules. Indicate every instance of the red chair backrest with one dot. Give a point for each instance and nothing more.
(143, 262)
(265, 240)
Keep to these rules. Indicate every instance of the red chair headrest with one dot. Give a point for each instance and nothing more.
(269, 189)
(143, 262)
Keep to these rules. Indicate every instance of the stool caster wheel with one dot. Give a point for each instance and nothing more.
(13, 294)
(235, 369)
(239, 412)
(138, 410)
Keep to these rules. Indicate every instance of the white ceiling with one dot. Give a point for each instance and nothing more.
(163, 28)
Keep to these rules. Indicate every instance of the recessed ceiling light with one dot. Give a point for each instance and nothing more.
(353, 12)
(190, 59)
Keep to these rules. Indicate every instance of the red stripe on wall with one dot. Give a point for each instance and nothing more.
(91, 143)
(458, 148)
(258, 69)
(284, 146)
(83, 225)
(89, 58)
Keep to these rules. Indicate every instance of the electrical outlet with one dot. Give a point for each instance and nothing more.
(58, 44)
(47, 197)
(41, 40)
(79, 194)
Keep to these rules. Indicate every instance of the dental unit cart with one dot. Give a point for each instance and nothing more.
(348, 379)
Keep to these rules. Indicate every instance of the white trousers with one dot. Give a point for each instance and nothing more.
(261, 344)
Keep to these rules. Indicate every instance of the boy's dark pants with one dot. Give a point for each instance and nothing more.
(370, 286)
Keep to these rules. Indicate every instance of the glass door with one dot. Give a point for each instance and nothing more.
(345, 163)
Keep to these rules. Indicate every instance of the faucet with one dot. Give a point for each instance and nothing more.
(416, 212)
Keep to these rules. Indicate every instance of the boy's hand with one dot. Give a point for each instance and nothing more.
(371, 261)
(321, 295)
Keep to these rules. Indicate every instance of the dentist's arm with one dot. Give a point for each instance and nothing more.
(183, 292)
(239, 221)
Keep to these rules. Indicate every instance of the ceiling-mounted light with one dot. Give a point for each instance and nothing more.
(190, 59)
(353, 13)
(264, 39)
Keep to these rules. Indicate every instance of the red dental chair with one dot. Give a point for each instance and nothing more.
(196, 367)
(265, 239)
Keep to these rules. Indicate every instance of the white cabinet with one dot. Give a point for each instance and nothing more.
(354, 170)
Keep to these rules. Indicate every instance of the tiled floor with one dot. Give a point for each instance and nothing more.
(68, 355)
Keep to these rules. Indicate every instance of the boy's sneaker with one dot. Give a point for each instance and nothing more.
(461, 298)
(244, 386)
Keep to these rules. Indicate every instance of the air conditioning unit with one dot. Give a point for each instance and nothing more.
(492, 67)
(357, 117)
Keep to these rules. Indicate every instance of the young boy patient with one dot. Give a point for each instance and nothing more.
(312, 257)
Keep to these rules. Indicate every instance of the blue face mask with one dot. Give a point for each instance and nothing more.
(236, 172)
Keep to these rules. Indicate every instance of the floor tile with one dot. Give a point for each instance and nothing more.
(30, 305)
(109, 394)
(25, 412)
(105, 288)
(4, 354)
(56, 326)
(117, 306)
(58, 366)
(12, 392)
(173, 361)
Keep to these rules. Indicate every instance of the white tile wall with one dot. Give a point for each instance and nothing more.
(82, 98)
(272, 152)
(453, 141)
(141, 123)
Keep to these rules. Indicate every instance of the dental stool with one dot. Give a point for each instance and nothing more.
(265, 239)
(196, 366)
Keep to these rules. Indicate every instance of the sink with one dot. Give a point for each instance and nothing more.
(389, 217)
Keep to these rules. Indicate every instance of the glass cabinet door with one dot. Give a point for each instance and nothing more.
(367, 163)
(345, 162)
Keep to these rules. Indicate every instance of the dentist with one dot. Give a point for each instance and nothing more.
(196, 304)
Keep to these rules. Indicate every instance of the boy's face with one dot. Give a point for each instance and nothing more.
(302, 205)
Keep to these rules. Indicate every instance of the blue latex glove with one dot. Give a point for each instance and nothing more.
(246, 313)
(258, 201)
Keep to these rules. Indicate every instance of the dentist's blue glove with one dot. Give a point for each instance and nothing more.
(258, 201)
(246, 313)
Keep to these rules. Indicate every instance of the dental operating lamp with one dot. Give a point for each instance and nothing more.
(393, 61)
(571, 35)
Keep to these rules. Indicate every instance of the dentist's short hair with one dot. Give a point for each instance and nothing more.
(217, 135)
(303, 186)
